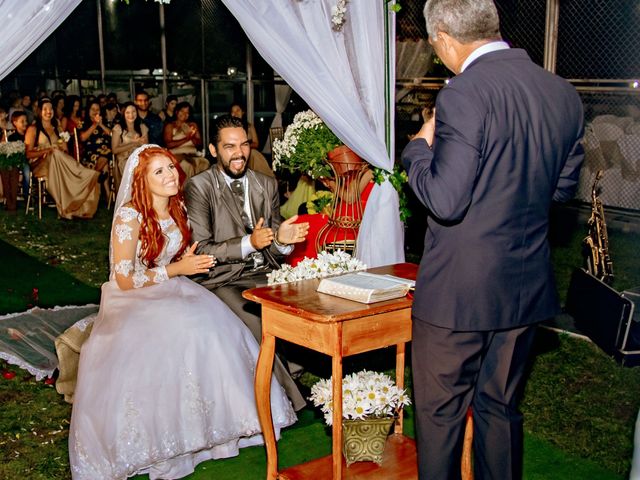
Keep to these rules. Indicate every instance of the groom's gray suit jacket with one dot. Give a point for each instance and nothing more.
(217, 226)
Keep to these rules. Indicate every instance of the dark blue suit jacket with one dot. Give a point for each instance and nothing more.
(507, 143)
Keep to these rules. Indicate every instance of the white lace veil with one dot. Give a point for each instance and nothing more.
(124, 193)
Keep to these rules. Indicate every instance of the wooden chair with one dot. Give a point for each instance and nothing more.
(275, 133)
(42, 183)
(112, 181)
(76, 144)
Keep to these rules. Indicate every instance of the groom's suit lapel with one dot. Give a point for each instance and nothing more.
(227, 199)
(256, 197)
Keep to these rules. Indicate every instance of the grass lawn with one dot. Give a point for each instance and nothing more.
(579, 405)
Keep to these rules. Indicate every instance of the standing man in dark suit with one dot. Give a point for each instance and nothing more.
(504, 143)
(235, 216)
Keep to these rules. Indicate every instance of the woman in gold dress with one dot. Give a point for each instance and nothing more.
(74, 188)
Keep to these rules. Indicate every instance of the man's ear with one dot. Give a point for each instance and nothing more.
(212, 150)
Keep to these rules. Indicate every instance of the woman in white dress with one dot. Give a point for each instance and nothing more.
(166, 377)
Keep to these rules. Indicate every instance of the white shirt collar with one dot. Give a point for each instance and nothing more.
(228, 179)
(486, 48)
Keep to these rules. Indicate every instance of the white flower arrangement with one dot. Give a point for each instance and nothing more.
(305, 145)
(12, 154)
(338, 12)
(326, 264)
(364, 395)
(64, 136)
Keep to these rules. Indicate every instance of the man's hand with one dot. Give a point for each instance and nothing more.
(428, 129)
(291, 232)
(262, 236)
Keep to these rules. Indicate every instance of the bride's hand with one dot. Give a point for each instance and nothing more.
(190, 263)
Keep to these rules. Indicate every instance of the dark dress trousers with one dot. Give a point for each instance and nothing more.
(507, 144)
(217, 226)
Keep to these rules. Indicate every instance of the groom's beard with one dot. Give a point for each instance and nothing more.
(232, 174)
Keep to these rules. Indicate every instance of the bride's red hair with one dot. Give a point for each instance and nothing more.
(151, 237)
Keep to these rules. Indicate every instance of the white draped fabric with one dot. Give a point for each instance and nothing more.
(341, 76)
(283, 94)
(25, 25)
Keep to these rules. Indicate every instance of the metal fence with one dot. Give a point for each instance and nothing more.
(593, 43)
(596, 46)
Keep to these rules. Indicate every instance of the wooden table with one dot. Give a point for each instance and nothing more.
(337, 327)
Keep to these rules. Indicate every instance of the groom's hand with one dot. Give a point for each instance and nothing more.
(262, 236)
(291, 232)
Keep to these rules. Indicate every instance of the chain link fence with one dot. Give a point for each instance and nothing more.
(598, 50)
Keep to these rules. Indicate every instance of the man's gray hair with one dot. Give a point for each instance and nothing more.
(465, 20)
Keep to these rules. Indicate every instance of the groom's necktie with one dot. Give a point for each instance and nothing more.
(237, 187)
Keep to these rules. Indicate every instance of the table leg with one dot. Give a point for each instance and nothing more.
(264, 369)
(336, 374)
(400, 351)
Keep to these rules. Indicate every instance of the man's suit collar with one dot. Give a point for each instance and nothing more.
(492, 46)
(499, 55)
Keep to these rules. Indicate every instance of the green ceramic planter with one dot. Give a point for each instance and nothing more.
(364, 440)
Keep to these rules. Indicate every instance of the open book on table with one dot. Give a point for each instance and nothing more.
(365, 287)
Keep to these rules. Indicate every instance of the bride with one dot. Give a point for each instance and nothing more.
(166, 377)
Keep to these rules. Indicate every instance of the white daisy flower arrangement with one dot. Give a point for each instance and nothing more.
(324, 265)
(365, 394)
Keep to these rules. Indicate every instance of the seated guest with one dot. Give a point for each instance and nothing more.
(237, 111)
(58, 105)
(27, 106)
(96, 141)
(150, 119)
(112, 98)
(19, 120)
(257, 162)
(168, 114)
(127, 135)
(102, 100)
(111, 115)
(183, 139)
(5, 124)
(72, 121)
(166, 378)
(74, 188)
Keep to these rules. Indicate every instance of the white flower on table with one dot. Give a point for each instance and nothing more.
(324, 265)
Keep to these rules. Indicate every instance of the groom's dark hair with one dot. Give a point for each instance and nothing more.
(224, 121)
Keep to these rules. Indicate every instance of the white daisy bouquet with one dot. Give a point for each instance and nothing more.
(364, 395)
(305, 145)
(64, 136)
(12, 154)
(324, 265)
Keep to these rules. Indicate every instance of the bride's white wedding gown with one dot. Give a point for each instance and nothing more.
(166, 377)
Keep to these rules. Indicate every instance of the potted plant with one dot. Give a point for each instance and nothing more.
(306, 146)
(370, 401)
(12, 157)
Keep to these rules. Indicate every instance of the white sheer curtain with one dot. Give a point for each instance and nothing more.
(25, 25)
(341, 75)
(283, 94)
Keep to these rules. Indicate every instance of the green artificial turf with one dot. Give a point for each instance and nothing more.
(579, 406)
(28, 282)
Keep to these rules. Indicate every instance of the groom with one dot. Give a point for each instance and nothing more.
(234, 214)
